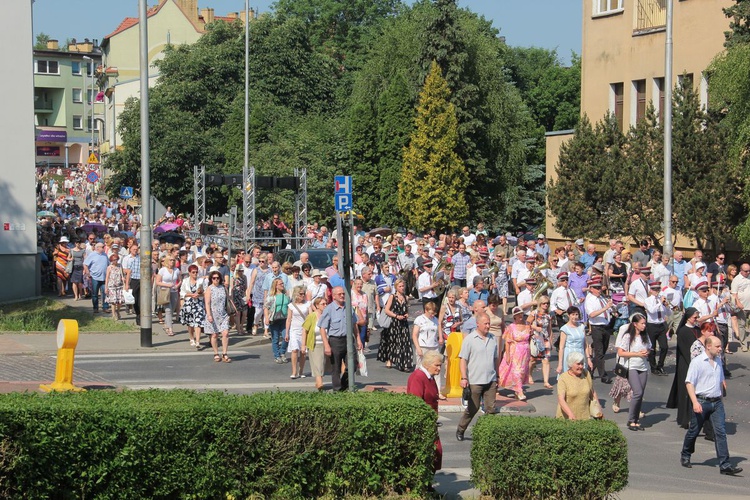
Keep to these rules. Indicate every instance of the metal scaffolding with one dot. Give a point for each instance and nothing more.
(199, 194)
(300, 209)
(248, 205)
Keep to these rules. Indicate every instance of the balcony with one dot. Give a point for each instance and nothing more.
(41, 106)
(650, 15)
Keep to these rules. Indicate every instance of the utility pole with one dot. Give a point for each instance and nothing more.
(145, 252)
(668, 134)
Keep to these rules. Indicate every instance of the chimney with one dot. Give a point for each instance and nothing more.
(251, 16)
(191, 9)
(53, 45)
(233, 15)
(208, 15)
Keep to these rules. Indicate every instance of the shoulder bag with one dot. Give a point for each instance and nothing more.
(622, 370)
(229, 304)
(383, 319)
(278, 311)
(163, 295)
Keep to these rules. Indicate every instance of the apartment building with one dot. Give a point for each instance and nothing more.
(67, 117)
(623, 61)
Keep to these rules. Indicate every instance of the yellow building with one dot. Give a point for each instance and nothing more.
(623, 62)
(170, 22)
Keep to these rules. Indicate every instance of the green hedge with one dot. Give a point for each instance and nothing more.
(539, 457)
(183, 444)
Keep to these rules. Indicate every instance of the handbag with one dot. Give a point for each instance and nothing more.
(69, 267)
(163, 295)
(229, 304)
(383, 319)
(595, 409)
(620, 370)
(278, 313)
(536, 347)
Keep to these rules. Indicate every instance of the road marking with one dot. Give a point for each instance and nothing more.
(123, 356)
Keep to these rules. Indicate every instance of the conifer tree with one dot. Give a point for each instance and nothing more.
(433, 177)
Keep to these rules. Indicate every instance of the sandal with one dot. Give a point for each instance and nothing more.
(547, 385)
(441, 397)
(226, 358)
(521, 397)
(217, 358)
(615, 408)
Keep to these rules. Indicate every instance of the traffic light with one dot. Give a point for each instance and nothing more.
(234, 180)
(214, 179)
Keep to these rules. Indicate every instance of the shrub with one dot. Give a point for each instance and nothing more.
(183, 444)
(538, 457)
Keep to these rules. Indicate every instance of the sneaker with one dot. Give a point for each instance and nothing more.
(278, 361)
(284, 359)
(192, 343)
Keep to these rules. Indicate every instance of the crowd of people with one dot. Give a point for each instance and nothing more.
(568, 304)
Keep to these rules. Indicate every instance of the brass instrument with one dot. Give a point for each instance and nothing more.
(439, 276)
(543, 284)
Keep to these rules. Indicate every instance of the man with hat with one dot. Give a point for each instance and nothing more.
(638, 292)
(542, 247)
(599, 312)
(426, 286)
(562, 298)
(393, 266)
(705, 313)
(525, 299)
(657, 311)
(407, 261)
(578, 249)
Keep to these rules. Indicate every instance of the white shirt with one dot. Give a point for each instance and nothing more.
(428, 331)
(469, 239)
(517, 267)
(638, 290)
(562, 298)
(656, 312)
(673, 295)
(593, 303)
(636, 362)
(704, 309)
(706, 379)
(741, 289)
(425, 279)
(660, 273)
(524, 298)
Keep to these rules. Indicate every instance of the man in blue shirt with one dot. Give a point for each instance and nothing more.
(680, 268)
(95, 265)
(332, 325)
(589, 257)
(705, 385)
(479, 292)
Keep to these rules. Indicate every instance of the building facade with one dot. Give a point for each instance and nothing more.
(623, 62)
(67, 116)
(169, 22)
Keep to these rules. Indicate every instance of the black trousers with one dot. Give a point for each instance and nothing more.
(338, 358)
(657, 332)
(600, 336)
(135, 285)
(722, 331)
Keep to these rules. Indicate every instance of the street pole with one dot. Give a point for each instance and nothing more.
(668, 135)
(232, 222)
(145, 252)
(245, 165)
(344, 263)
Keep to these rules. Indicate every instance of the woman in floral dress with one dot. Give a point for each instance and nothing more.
(395, 341)
(193, 311)
(217, 319)
(114, 282)
(514, 368)
(501, 283)
(239, 291)
(540, 323)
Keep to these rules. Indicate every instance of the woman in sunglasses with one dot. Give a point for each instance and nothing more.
(217, 318)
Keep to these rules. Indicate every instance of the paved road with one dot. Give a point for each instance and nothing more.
(655, 472)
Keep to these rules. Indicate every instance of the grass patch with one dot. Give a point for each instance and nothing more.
(42, 315)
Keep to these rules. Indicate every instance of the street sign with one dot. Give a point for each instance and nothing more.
(92, 176)
(126, 192)
(343, 202)
(93, 160)
(342, 192)
(342, 184)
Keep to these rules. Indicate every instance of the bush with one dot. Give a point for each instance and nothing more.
(183, 444)
(538, 457)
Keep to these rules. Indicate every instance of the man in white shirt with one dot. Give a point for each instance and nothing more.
(638, 292)
(562, 298)
(741, 296)
(467, 236)
(426, 286)
(518, 266)
(657, 312)
(525, 299)
(705, 386)
(705, 313)
(674, 297)
(599, 312)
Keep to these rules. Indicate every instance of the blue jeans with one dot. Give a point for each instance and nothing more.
(278, 344)
(363, 334)
(99, 288)
(715, 412)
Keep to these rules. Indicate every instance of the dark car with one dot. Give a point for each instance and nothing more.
(320, 258)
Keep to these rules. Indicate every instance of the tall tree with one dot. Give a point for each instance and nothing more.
(739, 13)
(708, 201)
(434, 178)
(41, 41)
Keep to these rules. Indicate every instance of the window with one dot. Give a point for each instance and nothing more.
(639, 100)
(616, 102)
(47, 67)
(75, 67)
(659, 91)
(88, 124)
(77, 95)
(650, 14)
(686, 80)
(77, 122)
(607, 6)
(89, 95)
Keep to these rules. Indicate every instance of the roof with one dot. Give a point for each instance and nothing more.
(129, 22)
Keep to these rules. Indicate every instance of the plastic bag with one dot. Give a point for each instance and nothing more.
(128, 297)
(361, 363)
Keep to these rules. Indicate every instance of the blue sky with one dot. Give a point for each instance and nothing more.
(552, 24)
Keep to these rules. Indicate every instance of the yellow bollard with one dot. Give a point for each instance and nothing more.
(67, 340)
(453, 373)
